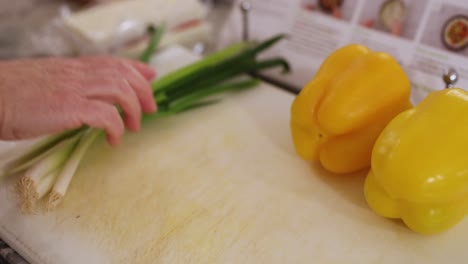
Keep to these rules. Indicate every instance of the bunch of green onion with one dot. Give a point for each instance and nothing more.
(46, 169)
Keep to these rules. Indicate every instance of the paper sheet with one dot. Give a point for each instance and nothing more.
(315, 33)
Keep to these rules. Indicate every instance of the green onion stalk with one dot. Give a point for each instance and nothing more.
(46, 169)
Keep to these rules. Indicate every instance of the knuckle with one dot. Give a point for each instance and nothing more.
(116, 88)
(100, 61)
(127, 69)
(100, 115)
(125, 93)
(106, 112)
(76, 121)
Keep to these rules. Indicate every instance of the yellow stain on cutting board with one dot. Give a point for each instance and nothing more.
(202, 187)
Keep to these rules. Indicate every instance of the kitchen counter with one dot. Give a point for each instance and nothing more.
(9, 256)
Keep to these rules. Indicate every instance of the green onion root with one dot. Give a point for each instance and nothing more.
(27, 186)
(66, 174)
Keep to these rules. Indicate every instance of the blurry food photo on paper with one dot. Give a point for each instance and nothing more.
(338, 9)
(448, 29)
(400, 18)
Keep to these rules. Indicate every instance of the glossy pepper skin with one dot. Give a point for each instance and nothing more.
(339, 114)
(420, 164)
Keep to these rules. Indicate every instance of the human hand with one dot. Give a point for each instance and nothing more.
(46, 96)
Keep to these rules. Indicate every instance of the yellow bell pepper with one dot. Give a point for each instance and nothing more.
(339, 114)
(420, 164)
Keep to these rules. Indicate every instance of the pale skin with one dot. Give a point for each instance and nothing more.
(39, 97)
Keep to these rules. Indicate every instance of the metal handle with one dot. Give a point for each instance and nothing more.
(245, 7)
(450, 77)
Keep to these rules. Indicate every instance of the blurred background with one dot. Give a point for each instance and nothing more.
(35, 28)
(427, 37)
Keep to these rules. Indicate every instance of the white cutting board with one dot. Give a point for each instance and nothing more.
(217, 185)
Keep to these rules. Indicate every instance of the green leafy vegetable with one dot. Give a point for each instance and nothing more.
(156, 37)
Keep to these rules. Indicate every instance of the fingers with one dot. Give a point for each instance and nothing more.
(105, 116)
(74, 92)
(145, 70)
(118, 92)
(137, 75)
(113, 81)
(110, 62)
(141, 87)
